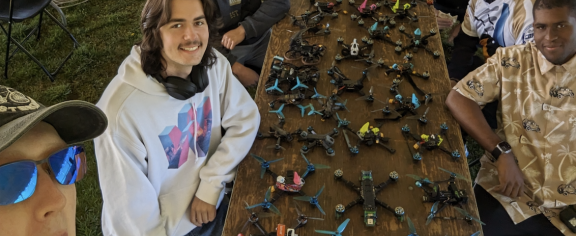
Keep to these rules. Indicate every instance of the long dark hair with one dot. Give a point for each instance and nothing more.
(157, 13)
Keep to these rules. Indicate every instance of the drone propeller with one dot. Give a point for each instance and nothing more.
(300, 214)
(467, 215)
(343, 104)
(415, 101)
(476, 234)
(264, 164)
(279, 111)
(420, 179)
(411, 227)
(299, 84)
(354, 149)
(418, 117)
(310, 167)
(266, 203)
(276, 147)
(367, 96)
(459, 176)
(317, 95)
(313, 200)
(432, 212)
(338, 231)
(275, 87)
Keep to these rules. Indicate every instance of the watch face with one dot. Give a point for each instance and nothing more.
(505, 146)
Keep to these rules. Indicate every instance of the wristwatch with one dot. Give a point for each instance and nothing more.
(502, 147)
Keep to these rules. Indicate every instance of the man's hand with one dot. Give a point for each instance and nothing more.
(245, 75)
(201, 212)
(453, 82)
(443, 22)
(233, 37)
(510, 176)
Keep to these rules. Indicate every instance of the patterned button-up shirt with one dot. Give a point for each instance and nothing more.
(537, 116)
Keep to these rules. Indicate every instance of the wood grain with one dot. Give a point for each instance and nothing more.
(250, 188)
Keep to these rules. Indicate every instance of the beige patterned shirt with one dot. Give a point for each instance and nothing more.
(537, 116)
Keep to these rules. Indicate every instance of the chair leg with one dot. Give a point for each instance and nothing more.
(39, 26)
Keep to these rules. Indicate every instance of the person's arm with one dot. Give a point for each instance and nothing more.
(464, 103)
(130, 203)
(269, 13)
(241, 120)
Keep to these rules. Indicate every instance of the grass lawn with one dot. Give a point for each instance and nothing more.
(106, 30)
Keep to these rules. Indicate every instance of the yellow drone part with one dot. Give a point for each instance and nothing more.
(424, 137)
(390, 100)
(375, 130)
(439, 140)
(272, 188)
(364, 128)
(396, 6)
(416, 146)
(406, 6)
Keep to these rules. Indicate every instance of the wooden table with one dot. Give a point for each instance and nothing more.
(250, 188)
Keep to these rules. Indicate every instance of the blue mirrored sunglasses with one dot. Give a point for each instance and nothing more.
(18, 179)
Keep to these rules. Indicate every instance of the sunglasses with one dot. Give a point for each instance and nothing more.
(18, 179)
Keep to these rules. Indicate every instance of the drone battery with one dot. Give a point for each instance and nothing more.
(568, 217)
(281, 230)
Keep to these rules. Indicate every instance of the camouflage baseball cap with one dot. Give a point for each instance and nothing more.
(75, 121)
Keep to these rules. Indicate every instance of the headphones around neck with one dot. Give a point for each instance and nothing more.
(183, 89)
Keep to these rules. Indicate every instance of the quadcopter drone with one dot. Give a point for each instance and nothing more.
(313, 139)
(368, 135)
(310, 20)
(403, 106)
(428, 142)
(419, 41)
(355, 51)
(296, 77)
(368, 192)
(277, 132)
(329, 107)
(343, 83)
(441, 198)
(300, 49)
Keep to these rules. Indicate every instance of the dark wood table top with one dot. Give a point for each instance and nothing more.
(251, 189)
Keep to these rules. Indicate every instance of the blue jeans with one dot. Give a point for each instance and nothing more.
(215, 227)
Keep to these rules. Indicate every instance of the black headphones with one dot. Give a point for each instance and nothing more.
(181, 88)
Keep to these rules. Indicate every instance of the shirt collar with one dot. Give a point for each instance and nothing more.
(546, 66)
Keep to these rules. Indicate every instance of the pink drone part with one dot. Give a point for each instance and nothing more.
(297, 178)
(373, 7)
(362, 6)
(330, 5)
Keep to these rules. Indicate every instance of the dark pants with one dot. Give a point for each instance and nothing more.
(498, 222)
(215, 227)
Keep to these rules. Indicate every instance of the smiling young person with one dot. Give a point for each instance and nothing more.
(526, 179)
(180, 123)
(41, 158)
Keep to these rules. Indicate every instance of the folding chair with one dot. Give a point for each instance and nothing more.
(13, 11)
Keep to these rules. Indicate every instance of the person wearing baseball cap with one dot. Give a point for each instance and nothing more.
(41, 158)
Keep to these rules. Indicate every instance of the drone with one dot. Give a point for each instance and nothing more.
(368, 135)
(300, 49)
(405, 71)
(253, 219)
(428, 142)
(368, 192)
(403, 106)
(292, 182)
(419, 41)
(330, 106)
(343, 83)
(338, 231)
(355, 50)
(313, 139)
(296, 77)
(441, 198)
(276, 131)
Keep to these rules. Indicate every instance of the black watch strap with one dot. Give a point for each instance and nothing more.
(502, 147)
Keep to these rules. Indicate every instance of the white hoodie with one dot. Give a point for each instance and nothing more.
(155, 155)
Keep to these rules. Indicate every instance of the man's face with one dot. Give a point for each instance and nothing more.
(185, 36)
(554, 34)
(51, 210)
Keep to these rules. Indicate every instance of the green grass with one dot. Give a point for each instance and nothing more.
(106, 30)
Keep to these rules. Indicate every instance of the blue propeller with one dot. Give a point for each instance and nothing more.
(342, 104)
(415, 101)
(313, 110)
(374, 26)
(313, 200)
(317, 95)
(433, 211)
(338, 231)
(266, 204)
(411, 227)
(342, 122)
(476, 234)
(298, 84)
(275, 87)
(264, 164)
(279, 111)
(420, 180)
(312, 167)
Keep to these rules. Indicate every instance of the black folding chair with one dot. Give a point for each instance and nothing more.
(13, 11)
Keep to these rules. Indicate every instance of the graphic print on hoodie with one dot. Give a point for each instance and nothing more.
(192, 133)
